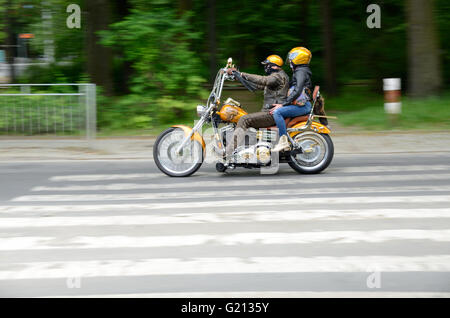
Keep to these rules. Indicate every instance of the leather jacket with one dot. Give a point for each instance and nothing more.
(300, 78)
(275, 87)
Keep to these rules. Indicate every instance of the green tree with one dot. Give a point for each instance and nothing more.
(425, 77)
(99, 57)
(156, 40)
(328, 47)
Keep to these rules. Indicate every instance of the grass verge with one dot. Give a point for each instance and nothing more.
(356, 107)
(361, 108)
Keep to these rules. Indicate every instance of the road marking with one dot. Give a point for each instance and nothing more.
(224, 194)
(365, 169)
(298, 179)
(361, 169)
(270, 294)
(103, 177)
(228, 265)
(222, 217)
(268, 238)
(153, 186)
(224, 203)
(228, 193)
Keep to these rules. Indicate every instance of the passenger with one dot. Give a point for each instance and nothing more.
(298, 100)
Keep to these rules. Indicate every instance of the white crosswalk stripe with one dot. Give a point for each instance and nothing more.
(43, 243)
(208, 203)
(180, 194)
(445, 175)
(369, 169)
(295, 294)
(205, 265)
(78, 216)
(101, 177)
(222, 217)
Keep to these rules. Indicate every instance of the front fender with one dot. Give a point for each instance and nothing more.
(196, 136)
(315, 126)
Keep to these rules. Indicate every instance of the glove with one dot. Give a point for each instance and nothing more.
(230, 70)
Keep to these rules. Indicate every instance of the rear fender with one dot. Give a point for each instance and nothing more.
(315, 126)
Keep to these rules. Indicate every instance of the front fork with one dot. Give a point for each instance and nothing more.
(188, 137)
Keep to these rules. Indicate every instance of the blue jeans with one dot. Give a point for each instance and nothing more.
(288, 112)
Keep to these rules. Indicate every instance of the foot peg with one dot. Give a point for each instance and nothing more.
(283, 145)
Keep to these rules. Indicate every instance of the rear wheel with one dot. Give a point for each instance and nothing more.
(177, 164)
(317, 153)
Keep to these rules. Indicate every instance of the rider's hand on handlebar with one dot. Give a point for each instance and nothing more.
(230, 70)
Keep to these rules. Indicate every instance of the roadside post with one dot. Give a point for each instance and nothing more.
(392, 95)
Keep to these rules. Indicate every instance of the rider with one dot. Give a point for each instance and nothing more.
(298, 102)
(275, 85)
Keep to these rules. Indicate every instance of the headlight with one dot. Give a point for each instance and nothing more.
(200, 110)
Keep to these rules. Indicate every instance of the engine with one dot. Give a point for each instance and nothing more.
(258, 147)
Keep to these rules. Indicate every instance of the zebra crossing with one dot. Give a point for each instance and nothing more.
(212, 235)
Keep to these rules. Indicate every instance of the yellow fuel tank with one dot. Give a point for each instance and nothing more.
(231, 113)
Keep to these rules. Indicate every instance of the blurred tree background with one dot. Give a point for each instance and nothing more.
(154, 59)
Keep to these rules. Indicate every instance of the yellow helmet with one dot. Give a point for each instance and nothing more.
(299, 55)
(275, 59)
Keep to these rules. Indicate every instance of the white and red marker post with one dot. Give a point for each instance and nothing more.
(392, 95)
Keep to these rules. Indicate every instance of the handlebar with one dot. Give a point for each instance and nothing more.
(221, 76)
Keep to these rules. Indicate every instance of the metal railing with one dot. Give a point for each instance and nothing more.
(55, 109)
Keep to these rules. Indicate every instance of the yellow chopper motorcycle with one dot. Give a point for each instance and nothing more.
(180, 150)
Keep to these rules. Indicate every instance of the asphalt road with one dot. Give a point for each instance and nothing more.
(370, 225)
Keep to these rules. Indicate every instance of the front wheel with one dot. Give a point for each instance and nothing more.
(177, 164)
(317, 153)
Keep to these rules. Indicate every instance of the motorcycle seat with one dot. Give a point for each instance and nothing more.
(290, 122)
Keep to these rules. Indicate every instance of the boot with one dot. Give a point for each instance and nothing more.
(236, 140)
(283, 144)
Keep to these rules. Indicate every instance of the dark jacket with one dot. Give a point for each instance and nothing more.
(300, 79)
(275, 87)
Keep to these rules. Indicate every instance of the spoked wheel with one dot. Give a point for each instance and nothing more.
(317, 153)
(177, 164)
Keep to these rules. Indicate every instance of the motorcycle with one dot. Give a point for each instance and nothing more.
(180, 150)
